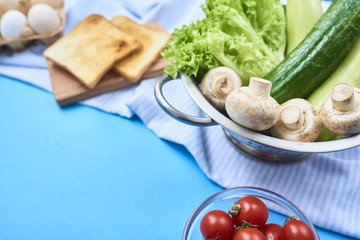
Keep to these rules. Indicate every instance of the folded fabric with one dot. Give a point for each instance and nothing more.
(324, 186)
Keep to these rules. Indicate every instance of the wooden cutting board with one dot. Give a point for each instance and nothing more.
(67, 89)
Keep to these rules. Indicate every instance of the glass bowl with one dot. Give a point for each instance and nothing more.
(221, 200)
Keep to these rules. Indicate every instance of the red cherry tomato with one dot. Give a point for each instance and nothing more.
(217, 224)
(252, 210)
(249, 234)
(297, 230)
(272, 231)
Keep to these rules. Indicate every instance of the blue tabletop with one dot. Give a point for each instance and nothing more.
(80, 173)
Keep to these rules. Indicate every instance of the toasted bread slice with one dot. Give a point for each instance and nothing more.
(152, 41)
(91, 48)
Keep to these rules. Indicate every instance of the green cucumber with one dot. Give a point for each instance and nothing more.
(316, 57)
(347, 72)
(301, 16)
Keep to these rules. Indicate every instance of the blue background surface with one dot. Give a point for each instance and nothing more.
(80, 173)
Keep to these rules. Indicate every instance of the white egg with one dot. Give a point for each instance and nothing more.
(43, 18)
(53, 3)
(12, 24)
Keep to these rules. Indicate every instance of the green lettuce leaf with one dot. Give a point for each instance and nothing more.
(245, 35)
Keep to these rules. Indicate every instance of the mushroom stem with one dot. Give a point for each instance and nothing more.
(217, 84)
(343, 97)
(252, 106)
(221, 86)
(298, 121)
(340, 112)
(260, 87)
(292, 117)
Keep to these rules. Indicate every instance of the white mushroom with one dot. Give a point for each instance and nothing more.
(52, 3)
(298, 121)
(12, 24)
(217, 84)
(252, 106)
(43, 18)
(340, 112)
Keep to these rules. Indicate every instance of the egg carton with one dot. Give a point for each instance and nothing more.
(22, 21)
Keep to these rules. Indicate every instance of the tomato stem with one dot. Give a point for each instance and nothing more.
(235, 208)
(246, 225)
(290, 218)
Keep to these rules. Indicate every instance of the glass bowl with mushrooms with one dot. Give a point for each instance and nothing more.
(274, 133)
(259, 212)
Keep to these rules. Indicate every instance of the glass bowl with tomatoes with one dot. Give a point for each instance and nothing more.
(248, 213)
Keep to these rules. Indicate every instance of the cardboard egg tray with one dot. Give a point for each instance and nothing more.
(28, 33)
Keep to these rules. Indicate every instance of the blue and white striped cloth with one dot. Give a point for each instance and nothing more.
(326, 186)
